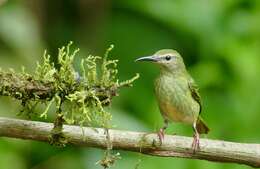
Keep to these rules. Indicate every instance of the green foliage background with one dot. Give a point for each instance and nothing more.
(219, 40)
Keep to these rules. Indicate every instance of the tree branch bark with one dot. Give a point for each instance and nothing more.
(146, 143)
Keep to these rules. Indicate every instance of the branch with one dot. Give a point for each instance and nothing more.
(146, 143)
(23, 87)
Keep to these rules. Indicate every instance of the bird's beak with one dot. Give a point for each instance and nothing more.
(148, 58)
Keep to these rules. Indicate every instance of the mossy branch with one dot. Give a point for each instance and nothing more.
(146, 143)
(80, 97)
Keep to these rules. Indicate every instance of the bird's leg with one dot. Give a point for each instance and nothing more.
(161, 131)
(196, 138)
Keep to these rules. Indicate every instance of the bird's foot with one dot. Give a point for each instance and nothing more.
(161, 135)
(196, 142)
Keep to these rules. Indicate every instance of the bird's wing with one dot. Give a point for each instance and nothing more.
(195, 92)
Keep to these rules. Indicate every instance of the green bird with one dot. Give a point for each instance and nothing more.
(177, 93)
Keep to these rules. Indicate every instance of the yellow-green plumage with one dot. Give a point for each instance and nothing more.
(174, 98)
(176, 92)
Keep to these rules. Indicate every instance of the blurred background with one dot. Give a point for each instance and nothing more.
(218, 39)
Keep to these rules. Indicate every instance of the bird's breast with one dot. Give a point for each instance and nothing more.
(175, 100)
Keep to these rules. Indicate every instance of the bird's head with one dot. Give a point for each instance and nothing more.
(167, 59)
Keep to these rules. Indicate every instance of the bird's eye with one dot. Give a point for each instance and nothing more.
(168, 57)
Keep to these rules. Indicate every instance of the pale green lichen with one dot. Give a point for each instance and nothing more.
(109, 157)
(79, 97)
(46, 70)
(108, 160)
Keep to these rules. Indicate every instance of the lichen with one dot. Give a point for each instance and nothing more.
(109, 157)
(78, 97)
(109, 160)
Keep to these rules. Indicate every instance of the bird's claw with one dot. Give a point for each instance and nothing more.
(196, 142)
(161, 135)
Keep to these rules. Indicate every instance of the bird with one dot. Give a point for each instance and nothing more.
(177, 94)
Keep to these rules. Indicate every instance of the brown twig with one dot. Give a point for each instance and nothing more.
(173, 146)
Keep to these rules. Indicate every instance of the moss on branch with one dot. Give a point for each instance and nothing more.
(80, 97)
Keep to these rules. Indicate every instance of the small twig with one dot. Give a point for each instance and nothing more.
(173, 146)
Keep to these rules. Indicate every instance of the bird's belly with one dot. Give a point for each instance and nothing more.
(172, 113)
(175, 102)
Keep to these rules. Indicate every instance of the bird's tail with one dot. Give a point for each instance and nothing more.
(201, 126)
